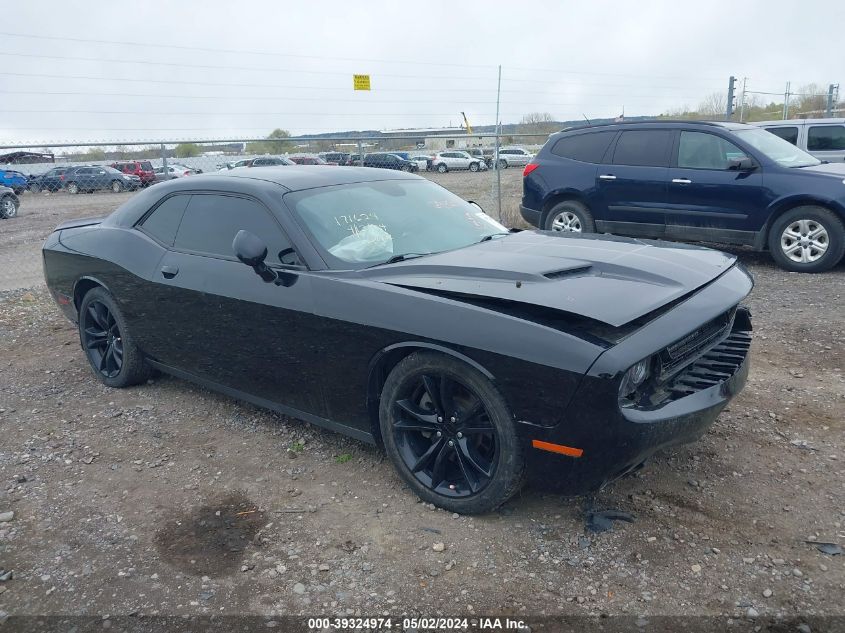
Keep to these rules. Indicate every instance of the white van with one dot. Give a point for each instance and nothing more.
(823, 138)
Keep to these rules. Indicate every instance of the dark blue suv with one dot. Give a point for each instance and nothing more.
(685, 180)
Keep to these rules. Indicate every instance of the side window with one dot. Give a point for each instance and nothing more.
(211, 222)
(788, 133)
(647, 148)
(588, 148)
(826, 137)
(164, 221)
(699, 150)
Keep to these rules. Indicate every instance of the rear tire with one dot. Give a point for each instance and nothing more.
(570, 216)
(450, 434)
(807, 239)
(116, 186)
(503, 164)
(72, 188)
(107, 342)
(473, 167)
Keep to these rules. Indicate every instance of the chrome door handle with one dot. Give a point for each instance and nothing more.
(682, 181)
(607, 177)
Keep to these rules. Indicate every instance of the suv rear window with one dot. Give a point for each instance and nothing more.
(787, 133)
(147, 166)
(646, 148)
(587, 148)
(826, 137)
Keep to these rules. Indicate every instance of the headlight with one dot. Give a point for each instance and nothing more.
(634, 378)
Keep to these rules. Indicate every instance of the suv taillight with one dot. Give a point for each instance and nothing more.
(529, 168)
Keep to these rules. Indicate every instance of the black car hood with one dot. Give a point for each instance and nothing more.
(609, 279)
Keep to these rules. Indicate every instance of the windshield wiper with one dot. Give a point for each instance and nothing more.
(401, 257)
(487, 238)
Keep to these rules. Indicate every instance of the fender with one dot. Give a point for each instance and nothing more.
(377, 358)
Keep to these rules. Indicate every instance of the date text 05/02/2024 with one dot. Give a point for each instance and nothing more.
(416, 624)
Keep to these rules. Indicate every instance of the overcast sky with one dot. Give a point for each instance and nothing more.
(190, 69)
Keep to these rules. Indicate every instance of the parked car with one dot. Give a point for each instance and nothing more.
(307, 160)
(98, 178)
(52, 180)
(335, 158)
(423, 162)
(14, 180)
(455, 160)
(9, 203)
(141, 168)
(270, 161)
(603, 352)
(389, 161)
(246, 162)
(823, 138)
(173, 171)
(699, 181)
(511, 157)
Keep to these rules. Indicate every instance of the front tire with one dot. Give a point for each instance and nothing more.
(107, 343)
(473, 167)
(8, 208)
(450, 434)
(73, 188)
(570, 216)
(116, 186)
(807, 239)
(442, 169)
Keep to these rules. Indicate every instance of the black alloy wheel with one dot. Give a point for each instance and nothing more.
(102, 340)
(108, 345)
(450, 434)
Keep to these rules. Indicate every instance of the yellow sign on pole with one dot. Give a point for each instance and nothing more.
(361, 82)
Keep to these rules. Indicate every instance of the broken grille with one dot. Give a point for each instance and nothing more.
(716, 366)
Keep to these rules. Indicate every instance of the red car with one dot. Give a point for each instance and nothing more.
(143, 169)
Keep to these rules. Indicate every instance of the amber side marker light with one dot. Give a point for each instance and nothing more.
(557, 448)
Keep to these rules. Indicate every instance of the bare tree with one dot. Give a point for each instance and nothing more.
(537, 118)
(811, 99)
(714, 105)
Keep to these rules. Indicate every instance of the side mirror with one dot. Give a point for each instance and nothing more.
(252, 251)
(742, 164)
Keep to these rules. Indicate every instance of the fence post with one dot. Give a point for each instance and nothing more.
(361, 152)
(164, 173)
(496, 154)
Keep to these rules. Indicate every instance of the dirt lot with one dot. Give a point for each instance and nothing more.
(169, 499)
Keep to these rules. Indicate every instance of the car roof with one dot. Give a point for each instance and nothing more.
(297, 178)
(673, 123)
(793, 122)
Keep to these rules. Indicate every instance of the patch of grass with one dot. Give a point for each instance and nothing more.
(342, 459)
(297, 447)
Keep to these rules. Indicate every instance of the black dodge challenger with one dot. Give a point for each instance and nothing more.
(380, 305)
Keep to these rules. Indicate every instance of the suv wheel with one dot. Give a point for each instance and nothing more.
(8, 207)
(570, 216)
(441, 168)
(807, 239)
(73, 188)
(473, 166)
(503, 164)
(116, 186)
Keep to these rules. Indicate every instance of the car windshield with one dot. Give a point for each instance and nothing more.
(365, 224)
(782, 152)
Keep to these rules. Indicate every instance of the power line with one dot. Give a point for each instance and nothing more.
(329, 58)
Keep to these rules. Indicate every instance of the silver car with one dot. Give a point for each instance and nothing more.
(514, 157)
(455, 160)
(823, 138)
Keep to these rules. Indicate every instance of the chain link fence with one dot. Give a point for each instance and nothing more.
(50, 180)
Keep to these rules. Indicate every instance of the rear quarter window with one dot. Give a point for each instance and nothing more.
(164, 221)
(826, 137)
(587, 148)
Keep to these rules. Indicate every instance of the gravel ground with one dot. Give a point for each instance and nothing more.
(169, 499)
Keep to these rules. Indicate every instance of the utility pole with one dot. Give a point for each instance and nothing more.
(742, 102)
(831, 90)
(496, 153)
(730, 108)
(786, 102)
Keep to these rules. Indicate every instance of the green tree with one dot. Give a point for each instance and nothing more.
(187, 150)
(272, 145)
